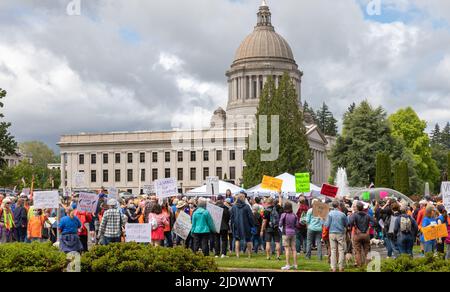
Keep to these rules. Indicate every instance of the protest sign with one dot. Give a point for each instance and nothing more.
(149, 189)
(141, 233)
(212, 185)
(329, 190)
(433, 232)
(216, 214)
(383, 195)
(302, 183)
(113, 193)
(87, 202)
(183, 225)
(321, 210)
(445, 191)
(79, 179)
(166, 187)
(46, 200)
(365, 196)
(272, 183)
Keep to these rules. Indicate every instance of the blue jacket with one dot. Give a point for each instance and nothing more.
(202, 222)
(337, 222)
(69, 225)
(314, 223)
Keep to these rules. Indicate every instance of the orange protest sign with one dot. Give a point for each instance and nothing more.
(272, 183)
(434, 232)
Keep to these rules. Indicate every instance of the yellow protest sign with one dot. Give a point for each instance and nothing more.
(434, 232)
(272, 183)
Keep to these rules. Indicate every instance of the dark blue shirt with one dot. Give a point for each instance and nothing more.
(69, 225)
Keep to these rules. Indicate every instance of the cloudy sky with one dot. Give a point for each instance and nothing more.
(146, 65)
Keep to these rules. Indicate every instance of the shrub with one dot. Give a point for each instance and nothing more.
(429, 263)
(34, 257)
(133, 257)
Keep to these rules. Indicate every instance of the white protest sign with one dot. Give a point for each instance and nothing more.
(212, 185)
(87, 202)
(216, 214)
(183, 225)
(79, 179)
(445, 191)
(166, 187)
(149, 189)
(46, 200)
(113, 193)
(141, 233)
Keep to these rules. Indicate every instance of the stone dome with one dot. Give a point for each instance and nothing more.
(264, 42)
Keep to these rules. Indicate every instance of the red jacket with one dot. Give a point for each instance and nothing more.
(84, 218)
(303, 208)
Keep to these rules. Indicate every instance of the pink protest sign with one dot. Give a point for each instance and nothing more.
(383, 195)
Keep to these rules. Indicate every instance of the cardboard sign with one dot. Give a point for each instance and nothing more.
(216, 214)
(329, 190)
(302, 183)
(445, 191)
(166, 187)
(87, 202)
(212, 185)
(46, 200)
(272, 183)
(140, 233)
(433, 232)
(149, 189)
(383, 195)
(183, 225)
(79, 179)
(321, 210)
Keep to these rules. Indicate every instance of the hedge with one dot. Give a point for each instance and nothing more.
(429, 263)
(34, 257)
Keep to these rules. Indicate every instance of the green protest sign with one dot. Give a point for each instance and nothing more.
(366, 196)
(302, 183)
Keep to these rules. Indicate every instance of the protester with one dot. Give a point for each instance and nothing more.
(314, 233)
(302, 228)
(85, 218)
(360, 223)
(429, 219)
(242, 223)
(170, 219)
(256, 235)
(288, 224)
(70, 241)
(7, 224)
(20, 221)
(442, 219)
(406, 230)
(202, 227)
(337, 223)
(270, 228)
(158, 221)
(112, 224)
(221, 238)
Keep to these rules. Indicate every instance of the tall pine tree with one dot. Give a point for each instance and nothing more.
(383, 178)
(294, 151)
(401, 178)
(7, 143)
(436, 135)
(326, 121)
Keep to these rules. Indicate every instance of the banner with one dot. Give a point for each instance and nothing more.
(183, 225)
(383, 195)
(321, 210)
(113, 193)
(272, 183)
(433, 232)
(216, 214)
(329, 190)
(445, 191)
(212, 185)
(365, 196)
(302, 183)
(141, 233)
(149, 189)
(87, 202)
(166, 188)
(46, 200)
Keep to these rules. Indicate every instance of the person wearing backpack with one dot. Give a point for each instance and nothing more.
(270, 227)
(159, 221)
(389, 213)
(302, 228)
(314, 233)
(288, 224)
(360, 223)
(406, 230)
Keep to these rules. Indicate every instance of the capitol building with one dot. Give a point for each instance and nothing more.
(130, 161)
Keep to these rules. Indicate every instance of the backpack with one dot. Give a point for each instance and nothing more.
(405, 225)
(153, 223)
(274, 218)
(302, 219)
(392, 224)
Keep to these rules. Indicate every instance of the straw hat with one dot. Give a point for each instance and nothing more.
(181, 204)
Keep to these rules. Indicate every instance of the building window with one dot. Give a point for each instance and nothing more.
(232, 173)
(167, 156)
(130, 157)
(219, 155)
(167, 173)
(142, 157)
(93, 158)
(193, 174)
(143, 174)
(155, 157)
(205, 173)
(180, 156)
(219, 172)
(129, 175)
(81, 159)
(193, 156)
(232, 155)
(105, 175)
(154, 174)
(180, 174)
(117, 175)
(93, 176)
(117, 157)
(105, 158)
(205, 155)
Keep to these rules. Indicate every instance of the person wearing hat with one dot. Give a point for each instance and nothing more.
(112, 224)
(36, 223)
(7, 224)
(221, 236)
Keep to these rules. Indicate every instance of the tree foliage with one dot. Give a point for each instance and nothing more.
(326, 121)
(42, 154)
(383, 177)
(401, 177)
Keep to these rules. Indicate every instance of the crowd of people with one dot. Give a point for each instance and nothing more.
(249, 225)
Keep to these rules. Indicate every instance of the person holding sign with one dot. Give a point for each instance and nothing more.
(69, 225)
(202, 227)
(428, 220)
(159, 221)
(85, 219)
(314, 233)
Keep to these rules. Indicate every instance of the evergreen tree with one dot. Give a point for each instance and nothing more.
(401, 178)
(326, 121)
(294, 152)
(7, 143)
(445, 136)
(310, 110)
(436, 135)
(383, 178)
